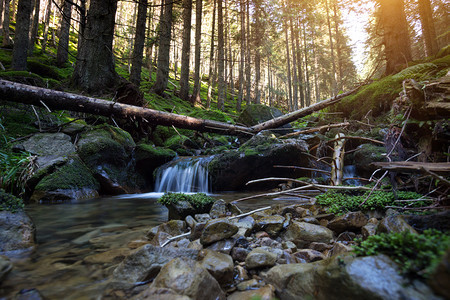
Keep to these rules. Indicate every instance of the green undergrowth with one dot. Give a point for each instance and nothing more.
(377, 97)
(340, 202)
(199, 200)
(416, 254)
(9, 202)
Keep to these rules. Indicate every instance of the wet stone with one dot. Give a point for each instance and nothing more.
(239, 254)
(320, 246)
(394, 223)
(216, 230)
(223, 246)
(218, 209)
(259, 258)
(219, 265)
(271, 224)
(202, 218)
(346, 236)
(350, 221)
(309, 255)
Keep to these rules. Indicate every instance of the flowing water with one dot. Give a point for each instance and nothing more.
(184, 175)
(79, 243)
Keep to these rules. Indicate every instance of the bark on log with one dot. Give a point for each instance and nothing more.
(411, 166)
(280, 121)
(57, 100)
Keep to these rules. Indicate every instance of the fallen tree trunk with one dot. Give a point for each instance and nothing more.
(280, 121)
(57, 100)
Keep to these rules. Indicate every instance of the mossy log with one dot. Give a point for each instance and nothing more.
(57, 100)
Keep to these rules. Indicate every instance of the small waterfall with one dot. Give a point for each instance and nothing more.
(350, 176)
(183, 175)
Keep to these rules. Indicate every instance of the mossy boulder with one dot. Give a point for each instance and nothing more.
(148, 158)
(71, 181)
(255, 159)
(181, 144)
(366, 154)
(258, 113)
(108, 153)
(345, 277)
(17, 230)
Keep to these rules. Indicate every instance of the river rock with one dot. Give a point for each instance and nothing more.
(145, 262)
(186, 277)
(173, 227)
(365, 155)
(259, 258)
(265, 293)
(219, 265)
(394, 223)
(216, 230)
(439, 221)
(439, 280)
(239, 254)
(271, 224)
(148, 158)
(350, 221)
(368, 230)
(320, 246)
(344, 277)
(180, 210)
(160, 294)
(202, 218)
(223, 246)
(218, 209)
(107, 151)
(17, 231)
(231, 170)
(302, 234)
(340, 248)
(309, 255)
(5, 267)
(49, 148)
(245, 225)
(71, 181)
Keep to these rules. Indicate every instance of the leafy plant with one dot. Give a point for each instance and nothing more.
(9, 202)
(341, 202)
(199, 200)
(416, 254)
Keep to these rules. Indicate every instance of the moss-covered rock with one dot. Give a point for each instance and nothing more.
(10, 202)
(181, 144)
(108, 151)
(366, 154)
(255, 159)
(71, 181)
(149, 157)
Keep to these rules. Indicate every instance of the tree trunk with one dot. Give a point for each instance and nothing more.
(48, 10)
(165, 36)
(299, 64)
(340, 74)
(333, 60)
(248, 77)
(20, 50)
(139, 41)
(82, 26)
(198, 51)
(57, 100)
(288, 57)
(259, 32)
(395, 35)
(186, 50)
(294, 67)
(428, 31)
(307, 87)
(2, 4)
(62, 55)
(35, 25)
(220, 57)
(94, 70)
(242, 57)
(5, 29)
(211, 58)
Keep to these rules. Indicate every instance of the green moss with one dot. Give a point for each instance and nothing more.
(416, 254)
(145, 151)
(199, 200)
(97, 145)
(340, 202)
(43, 69)
(10, 203)
(72, 175)
(377, 97)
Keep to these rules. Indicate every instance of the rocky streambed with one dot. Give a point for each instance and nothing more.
(289, 251)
